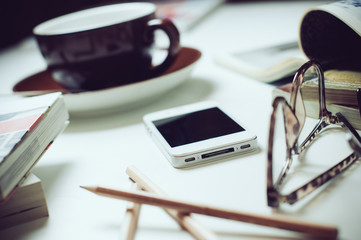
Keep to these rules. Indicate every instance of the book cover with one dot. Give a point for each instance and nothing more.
(14, 126)
(186, 13)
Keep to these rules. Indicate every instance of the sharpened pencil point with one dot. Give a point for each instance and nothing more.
(89, 188)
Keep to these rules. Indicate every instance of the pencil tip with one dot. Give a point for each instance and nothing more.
(88, 188)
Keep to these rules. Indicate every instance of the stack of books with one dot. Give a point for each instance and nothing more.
(26, 204)
(28, 126)
(350, 110)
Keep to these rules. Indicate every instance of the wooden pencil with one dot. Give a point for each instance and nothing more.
(197, 230)
(130, 220)
(313, 229)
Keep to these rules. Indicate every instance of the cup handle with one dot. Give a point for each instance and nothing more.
(174, 43)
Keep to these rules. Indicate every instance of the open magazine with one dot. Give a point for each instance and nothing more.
(329, 34)
(265, 64)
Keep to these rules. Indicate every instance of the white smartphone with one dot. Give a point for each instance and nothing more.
(198, 133)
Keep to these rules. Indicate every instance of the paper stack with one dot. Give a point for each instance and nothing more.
(26, 204)
(28, 126)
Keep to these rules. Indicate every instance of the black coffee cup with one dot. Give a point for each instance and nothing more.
(105, 46)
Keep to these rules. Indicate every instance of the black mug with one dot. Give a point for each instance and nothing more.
(105, 46)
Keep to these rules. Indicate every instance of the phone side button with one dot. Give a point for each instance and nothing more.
(245, 146)
(190, 159)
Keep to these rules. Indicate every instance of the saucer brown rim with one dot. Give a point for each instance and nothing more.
(45, 82)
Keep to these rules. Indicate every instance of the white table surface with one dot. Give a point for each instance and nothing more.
(97, 151)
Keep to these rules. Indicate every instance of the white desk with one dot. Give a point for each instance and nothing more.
(96, 151)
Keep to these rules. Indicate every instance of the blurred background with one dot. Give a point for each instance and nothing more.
(19, 17)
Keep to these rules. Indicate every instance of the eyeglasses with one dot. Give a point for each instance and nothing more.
(288, 120)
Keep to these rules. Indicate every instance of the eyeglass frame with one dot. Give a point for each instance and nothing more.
(326, 118)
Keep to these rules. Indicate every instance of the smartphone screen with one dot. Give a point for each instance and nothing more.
(196, 126)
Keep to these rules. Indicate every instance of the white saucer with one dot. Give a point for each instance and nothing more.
(117, 98)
